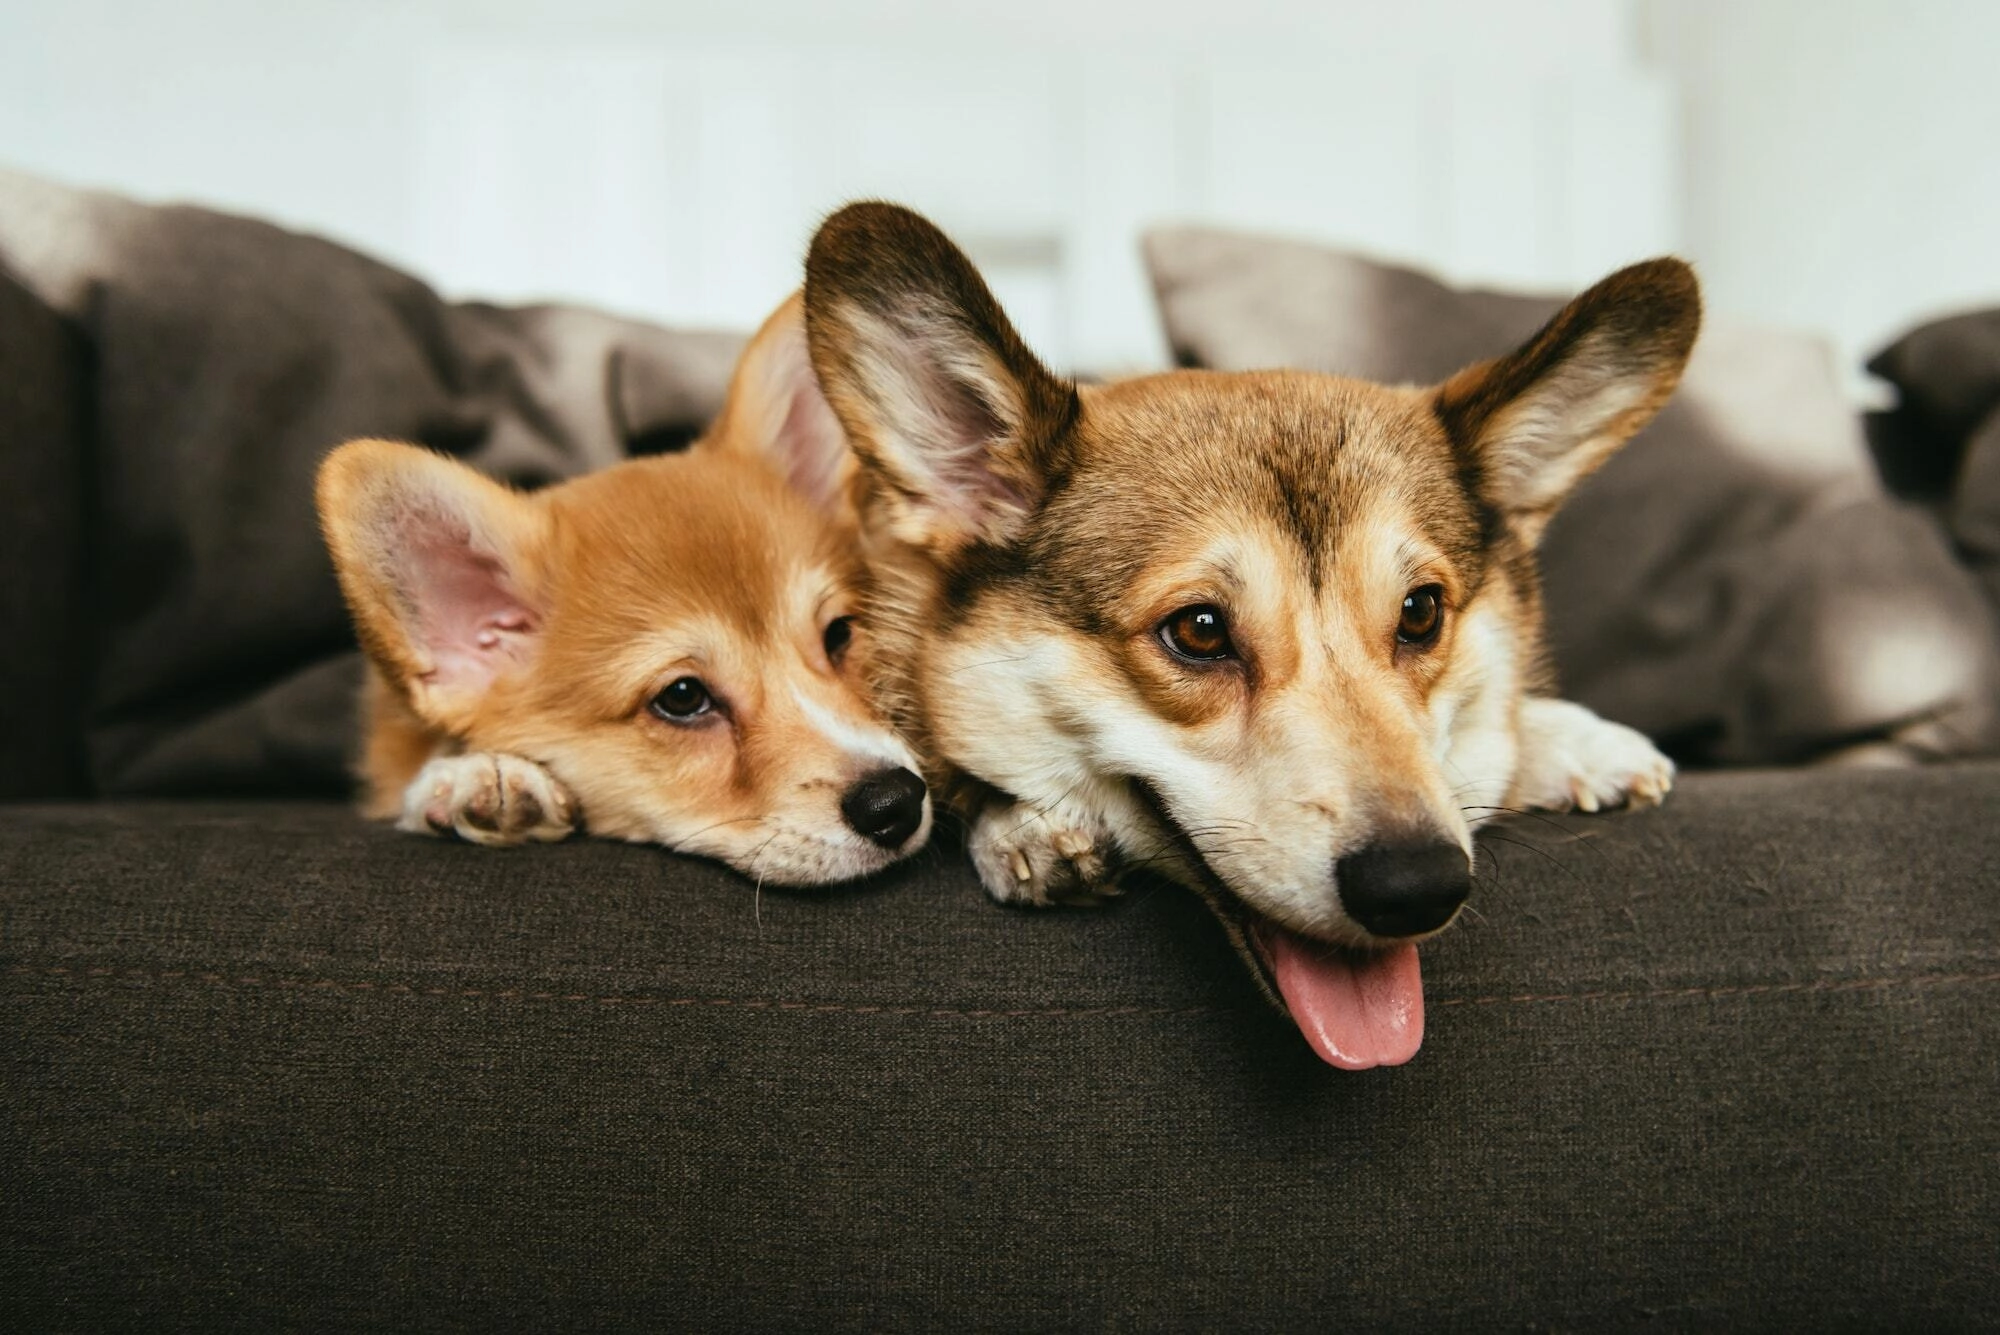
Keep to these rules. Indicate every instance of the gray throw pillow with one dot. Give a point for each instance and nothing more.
(1735, 582)
(224, 358)
(1947, 374)
(1947, 377)
(1974, 510)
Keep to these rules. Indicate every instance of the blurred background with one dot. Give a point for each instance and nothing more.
(1828, 166)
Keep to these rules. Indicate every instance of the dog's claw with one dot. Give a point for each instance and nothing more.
(1572, 760)
(488, 798)
(1652, 789)
(1026, 856)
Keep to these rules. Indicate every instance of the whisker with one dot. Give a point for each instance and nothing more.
(1228, 836)
(1487, 869)
(1037, 812)
(1126, 868)
(757, 893)
(685, 839)
(1538, 852)
(1574, 836)
(991, 662)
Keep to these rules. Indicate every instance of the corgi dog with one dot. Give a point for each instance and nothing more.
(1277, 634)
(665, 651)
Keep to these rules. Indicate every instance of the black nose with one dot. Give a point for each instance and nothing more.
(1403, 889)
(886, 807)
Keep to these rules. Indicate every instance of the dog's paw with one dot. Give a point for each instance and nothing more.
(1025, 855)
(488, 798)
(1572, 760)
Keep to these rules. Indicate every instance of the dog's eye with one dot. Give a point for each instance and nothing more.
(1199, 633)
(1423, 616)
(683, 699)
(839, 632)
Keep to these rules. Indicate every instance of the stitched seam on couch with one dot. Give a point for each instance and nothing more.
(284, 983)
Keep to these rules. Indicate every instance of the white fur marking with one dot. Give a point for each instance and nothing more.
(488, 798)
(877, 744)
(1573, 760)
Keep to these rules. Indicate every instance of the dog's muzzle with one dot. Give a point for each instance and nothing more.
(1404, 889)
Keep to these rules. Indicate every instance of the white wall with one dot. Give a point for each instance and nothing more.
(1829, 165)
(1840, 161)
(670, 159)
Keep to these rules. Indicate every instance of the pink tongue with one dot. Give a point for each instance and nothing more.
(1357, 1010)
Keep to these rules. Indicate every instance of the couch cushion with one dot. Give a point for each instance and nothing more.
(1734, 582)
(1948, 420)
(44, 426)
(1947, 377)
(267, 1067)
(227, 357)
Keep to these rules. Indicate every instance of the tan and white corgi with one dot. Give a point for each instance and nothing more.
(1276, 633)
(665, 651)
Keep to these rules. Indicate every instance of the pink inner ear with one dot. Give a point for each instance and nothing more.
(810, 447)
(470, 621)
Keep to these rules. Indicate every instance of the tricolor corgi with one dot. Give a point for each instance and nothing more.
(1275, 633)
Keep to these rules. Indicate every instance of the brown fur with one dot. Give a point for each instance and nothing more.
(705, 563)
(1031, 537)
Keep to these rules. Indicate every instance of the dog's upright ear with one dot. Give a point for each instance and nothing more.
(440, 566)
(1529, 426)
(956, 420)
(776, 411)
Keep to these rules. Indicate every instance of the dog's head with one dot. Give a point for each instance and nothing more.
(1281, 621)
(673, 638)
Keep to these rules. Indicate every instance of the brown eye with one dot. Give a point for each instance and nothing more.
(839, 632)
(1199, 633)
(683, 700)
(1423, 616)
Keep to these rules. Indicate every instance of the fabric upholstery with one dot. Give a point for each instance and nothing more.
(1974, 508)
(43, 646)
(226, 356)
(1735, 582)
(1947, 373)
(1727, 1065)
